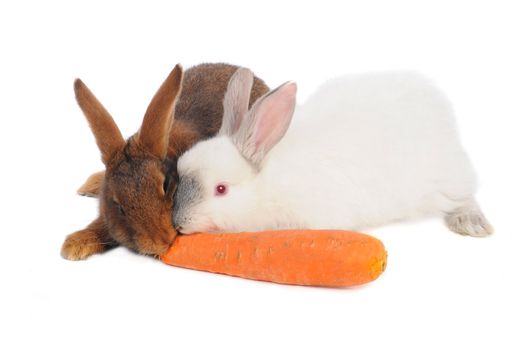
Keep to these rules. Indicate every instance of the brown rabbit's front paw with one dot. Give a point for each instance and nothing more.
(82, 244)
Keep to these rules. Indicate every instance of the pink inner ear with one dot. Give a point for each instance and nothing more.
(274, 116)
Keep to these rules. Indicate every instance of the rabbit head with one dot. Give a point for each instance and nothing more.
(135, 192)
(136, 197)
(219, 178)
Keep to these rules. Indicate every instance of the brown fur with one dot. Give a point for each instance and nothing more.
(137, 189)
(107, 134)
(92, 240)
(91, 187)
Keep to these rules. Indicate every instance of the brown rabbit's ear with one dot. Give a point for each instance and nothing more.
(91, 188)
(156, 126)
(108, 136)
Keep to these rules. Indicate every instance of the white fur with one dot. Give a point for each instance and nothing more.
(362, 151)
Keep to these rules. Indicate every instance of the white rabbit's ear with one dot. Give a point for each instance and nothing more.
(236, 100)
(266, 123)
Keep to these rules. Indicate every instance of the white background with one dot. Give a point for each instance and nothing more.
(440, 290)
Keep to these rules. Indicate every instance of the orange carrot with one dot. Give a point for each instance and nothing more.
(326, 258)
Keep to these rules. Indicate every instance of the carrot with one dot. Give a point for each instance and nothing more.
(326, 258)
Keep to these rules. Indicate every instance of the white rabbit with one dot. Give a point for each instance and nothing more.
(362, 151)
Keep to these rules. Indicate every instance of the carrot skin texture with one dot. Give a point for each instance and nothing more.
(327, 258)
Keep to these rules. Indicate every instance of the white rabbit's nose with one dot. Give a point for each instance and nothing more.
(182, 231)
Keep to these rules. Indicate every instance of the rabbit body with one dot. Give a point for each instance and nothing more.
(136, 189)
(367, 150)
(362, 151)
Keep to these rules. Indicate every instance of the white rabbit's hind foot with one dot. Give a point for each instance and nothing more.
(469, 220)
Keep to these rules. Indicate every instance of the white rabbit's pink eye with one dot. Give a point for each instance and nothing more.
(221, 190)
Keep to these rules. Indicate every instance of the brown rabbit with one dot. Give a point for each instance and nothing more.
(137, 188)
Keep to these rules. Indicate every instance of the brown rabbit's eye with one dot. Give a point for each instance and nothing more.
(119, 207)
(166, 184)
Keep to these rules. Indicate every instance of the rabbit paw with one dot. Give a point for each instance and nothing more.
(92, 186)
(469, 220)
(82, 244)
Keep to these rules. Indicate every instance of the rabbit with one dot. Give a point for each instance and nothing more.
(364, 150)
(136, 189)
